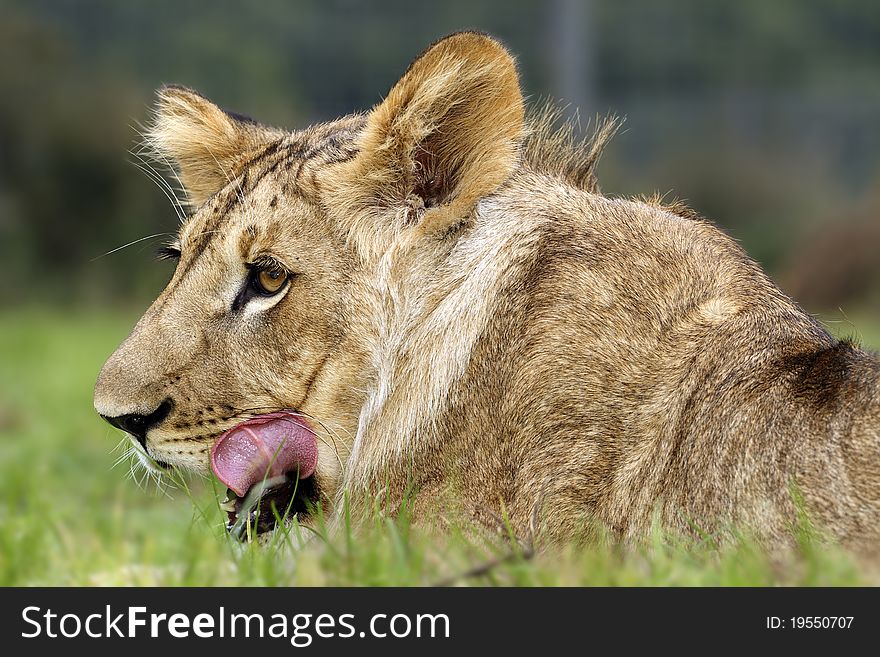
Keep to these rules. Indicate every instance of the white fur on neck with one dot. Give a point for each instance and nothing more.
(429, 311)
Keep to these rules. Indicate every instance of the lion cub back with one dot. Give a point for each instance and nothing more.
(638, 362)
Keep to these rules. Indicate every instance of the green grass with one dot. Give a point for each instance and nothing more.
(67, 517)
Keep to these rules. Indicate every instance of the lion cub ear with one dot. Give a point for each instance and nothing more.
(204, 144)
(447, 134)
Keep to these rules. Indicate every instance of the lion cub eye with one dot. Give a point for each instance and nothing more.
(269, 281)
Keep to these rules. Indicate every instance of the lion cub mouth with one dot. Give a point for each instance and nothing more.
(267, 462)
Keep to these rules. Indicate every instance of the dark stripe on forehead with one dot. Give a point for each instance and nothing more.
(244, 183)
(227, 199)
(328, 150)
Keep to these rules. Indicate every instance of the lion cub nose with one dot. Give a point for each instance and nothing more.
(137, 425)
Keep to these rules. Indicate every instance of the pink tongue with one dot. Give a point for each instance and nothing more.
(264, 447)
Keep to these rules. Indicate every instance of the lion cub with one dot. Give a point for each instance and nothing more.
(434, 297)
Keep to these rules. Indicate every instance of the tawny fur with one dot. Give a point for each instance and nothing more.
(471, 320)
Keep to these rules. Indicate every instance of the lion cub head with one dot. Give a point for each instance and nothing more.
(259, 355)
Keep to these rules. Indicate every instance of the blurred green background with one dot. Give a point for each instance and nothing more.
(764, 116)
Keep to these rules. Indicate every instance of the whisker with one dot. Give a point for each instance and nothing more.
(126, 455)
(160, 182)
(123, 444)
(157, 176)
(125, 246)
(264, 409)
(316, 435)
(147, 149)
(163, 185)
(133, 472)
(323, 424)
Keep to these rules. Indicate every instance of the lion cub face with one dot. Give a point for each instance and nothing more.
(273, 313)
(254, 319)
(246, 325)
